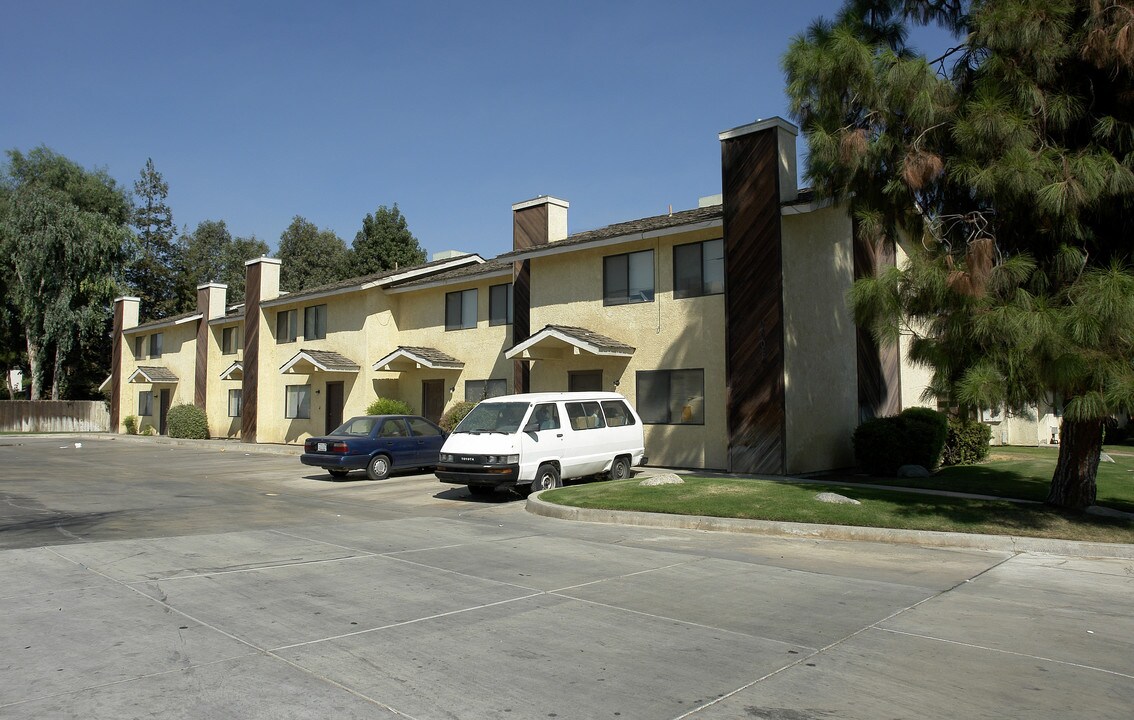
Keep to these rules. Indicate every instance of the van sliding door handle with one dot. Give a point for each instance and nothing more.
(558, 434)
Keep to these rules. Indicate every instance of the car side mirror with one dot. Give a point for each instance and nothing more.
(532, 426)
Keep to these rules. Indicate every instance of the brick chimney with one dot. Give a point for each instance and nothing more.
(261, 283)
(535, 222)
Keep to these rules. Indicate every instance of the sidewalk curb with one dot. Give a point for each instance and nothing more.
(215, 445)
(810, 531)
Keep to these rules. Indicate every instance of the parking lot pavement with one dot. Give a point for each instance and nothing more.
(248, 586)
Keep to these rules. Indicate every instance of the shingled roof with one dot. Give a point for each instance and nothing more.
(425, 356)
(164, 322)
(153, 374)
(324, 360)
(363, 280)
(581, 338)
(488, 267)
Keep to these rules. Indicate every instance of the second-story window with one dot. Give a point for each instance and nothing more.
(155, 345)
(140, 347)
(230, 340)
(286, 325)
(628, 278)
(500, 304)
(698, 269)
(460, 310)
(315, 322)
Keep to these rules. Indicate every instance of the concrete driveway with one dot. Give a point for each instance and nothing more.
(147, 580)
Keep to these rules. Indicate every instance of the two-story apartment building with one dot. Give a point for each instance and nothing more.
(725, 325)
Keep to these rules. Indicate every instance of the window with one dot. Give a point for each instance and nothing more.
(460, 310)
(422, 427)
(155, 345)
(698, 269)
(477, 390)
(617, 414)
(546, 416)
(298, 401)
(628, 278)
(230, 341)
(392, 428)
(671, 397)
(145, 403)
(584, 381)
(315, 322)
(500, 304)
(234, 403)
(585, 415)
(140, 347)
(285, 325)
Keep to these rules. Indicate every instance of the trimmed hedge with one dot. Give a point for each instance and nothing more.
(914, 437)
(966, 442)
(389, 406)
(187, 421)
(454, 415)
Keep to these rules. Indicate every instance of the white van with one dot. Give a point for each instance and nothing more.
(537, 440)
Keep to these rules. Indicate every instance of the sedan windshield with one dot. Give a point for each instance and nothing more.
(502, 417)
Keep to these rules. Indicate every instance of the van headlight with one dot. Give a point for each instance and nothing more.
(445, 457)
(503, 459)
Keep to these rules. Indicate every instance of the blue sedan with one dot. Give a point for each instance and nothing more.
(377, 443)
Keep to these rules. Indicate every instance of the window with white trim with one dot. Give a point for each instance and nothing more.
(145, 403)
(315, 322)
(500, 304)
(628, 278)
(671, 397)
(460, 310)
(234, 402)
(155, 345)
(286, 330)
(698, 269)
(230, 340)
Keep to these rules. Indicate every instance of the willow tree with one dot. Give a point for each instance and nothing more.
(1005, 167)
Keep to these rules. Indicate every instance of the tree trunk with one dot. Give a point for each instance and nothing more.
(34, 368)
(57, 373)
(1073, 484)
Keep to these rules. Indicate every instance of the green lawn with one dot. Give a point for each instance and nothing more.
(1012, 472)
(1025, 473)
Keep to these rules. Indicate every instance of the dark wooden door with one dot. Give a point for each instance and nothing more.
(334, 412)
(432, 399)
(163, 410)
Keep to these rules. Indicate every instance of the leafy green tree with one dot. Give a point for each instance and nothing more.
(152, 273)
(1007, 165)
(384, 243)
(200, 259)
(310, 257)
(64, 240)
(235, 254)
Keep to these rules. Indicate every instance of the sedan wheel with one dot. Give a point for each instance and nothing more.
(338, 474)
(378, 468)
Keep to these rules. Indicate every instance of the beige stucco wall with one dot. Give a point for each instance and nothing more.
(359, 325)
(179, 348)
(421, 323)
(216, 399)
(667, 334)
(820, 375)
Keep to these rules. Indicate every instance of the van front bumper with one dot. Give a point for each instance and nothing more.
(488, 475)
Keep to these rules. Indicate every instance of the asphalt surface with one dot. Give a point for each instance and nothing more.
(157, 580)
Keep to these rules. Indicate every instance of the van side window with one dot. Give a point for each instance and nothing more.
(617, 414)
(547, 416)
(585, 415)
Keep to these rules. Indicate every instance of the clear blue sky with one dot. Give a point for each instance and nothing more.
(255, 111)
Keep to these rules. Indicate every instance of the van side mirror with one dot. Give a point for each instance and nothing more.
(532, 426)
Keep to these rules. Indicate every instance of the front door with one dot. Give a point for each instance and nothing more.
(334, 414)
(432, 399)
(163, 410)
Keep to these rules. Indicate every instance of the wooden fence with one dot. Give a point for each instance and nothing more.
(54, 416)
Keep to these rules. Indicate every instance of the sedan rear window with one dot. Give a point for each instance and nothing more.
(360, 426)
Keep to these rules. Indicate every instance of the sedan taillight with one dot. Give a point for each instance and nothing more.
(339, 447)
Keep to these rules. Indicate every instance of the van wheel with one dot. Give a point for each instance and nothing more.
(378, 468)
(620, 469)
(546, 477)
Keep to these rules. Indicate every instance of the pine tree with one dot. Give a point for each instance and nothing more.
(384, 243)
(151, 275)
(1007, 167)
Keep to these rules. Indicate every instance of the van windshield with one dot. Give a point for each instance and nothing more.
(502, 417)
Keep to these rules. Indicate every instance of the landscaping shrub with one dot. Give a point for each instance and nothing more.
(915, 437)
(966, 442)
(925, 432)
(187, 421)
(388, 406)
(454, 415)
(131, 423)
